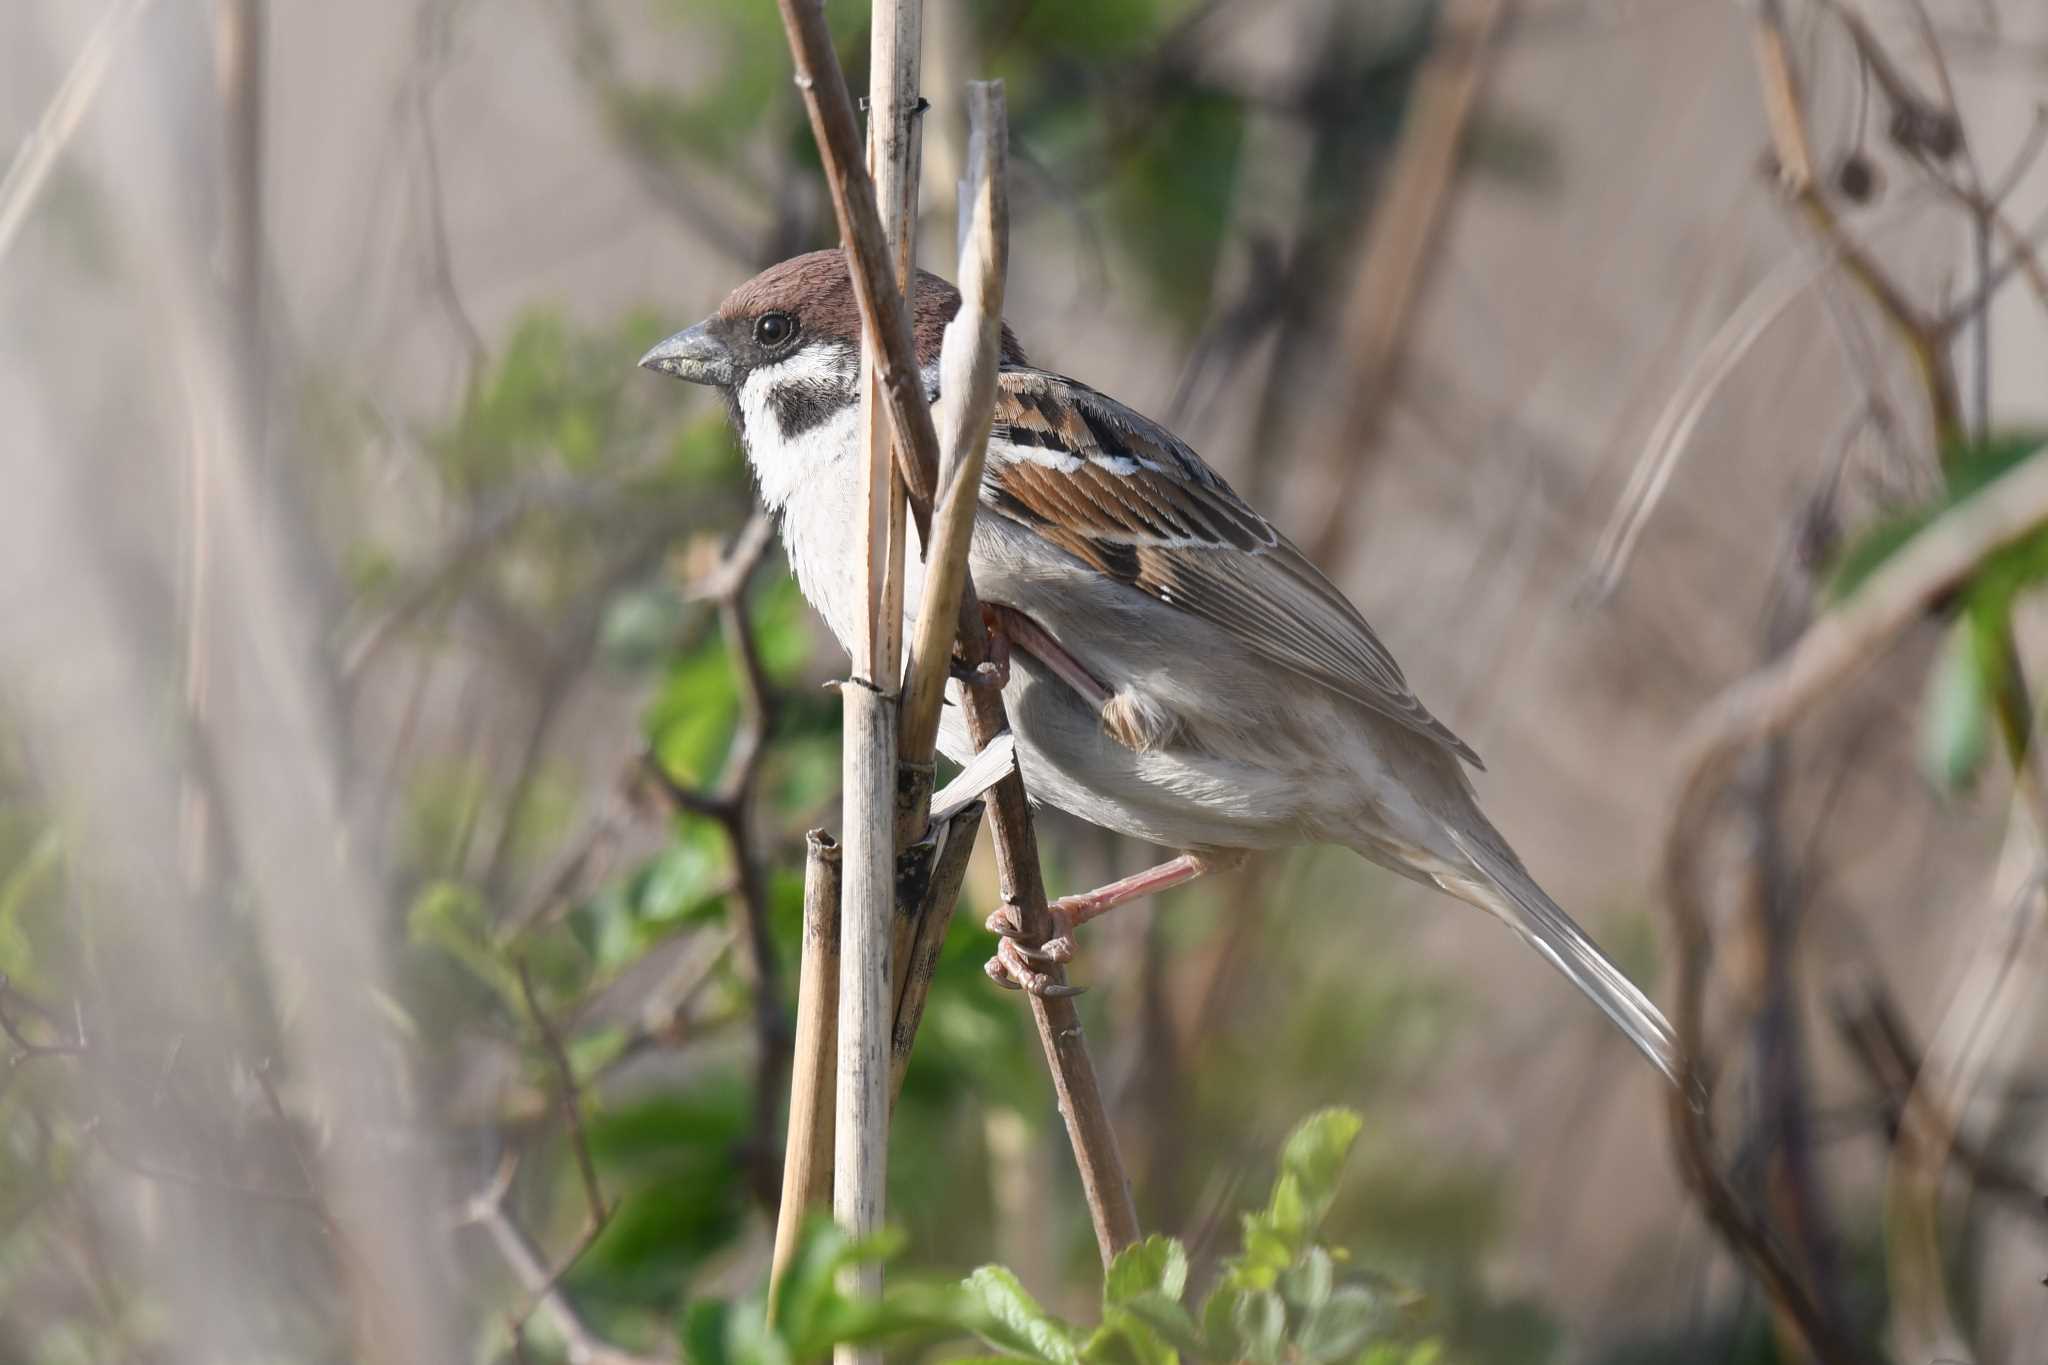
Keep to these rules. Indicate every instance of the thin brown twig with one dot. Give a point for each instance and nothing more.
(1792, 146)
(728, 802)
(581, 1345)
(571, 1096)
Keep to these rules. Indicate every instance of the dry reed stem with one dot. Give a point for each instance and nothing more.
(968, 361)
(860, 1154)
(807, 1154)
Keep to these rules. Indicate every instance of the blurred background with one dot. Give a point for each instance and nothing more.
(363, 997)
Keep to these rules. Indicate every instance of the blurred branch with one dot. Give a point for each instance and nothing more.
(728, 802)
(1792, 145)
(33, 161)
(571, 1097)
(435, 20)
(488, 525)
(595, 56)
(1782, 1119)
(1877, 1036)
(1832, 651)
(581, 1345)
(1938, 135)
(1988, 1007)
(1400, 237)
(1671, 436)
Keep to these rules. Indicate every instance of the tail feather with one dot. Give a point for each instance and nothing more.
(1537, 918)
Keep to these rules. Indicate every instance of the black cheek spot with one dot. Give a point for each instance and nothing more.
(799, 408)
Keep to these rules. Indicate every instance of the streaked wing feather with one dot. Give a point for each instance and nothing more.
(1126, 496)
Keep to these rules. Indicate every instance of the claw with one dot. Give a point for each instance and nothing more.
(1003, 921)
(1011, 968)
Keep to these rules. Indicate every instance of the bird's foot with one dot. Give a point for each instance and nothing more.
(1018, 965)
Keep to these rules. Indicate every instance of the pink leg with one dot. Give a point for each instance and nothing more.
(1071, 912)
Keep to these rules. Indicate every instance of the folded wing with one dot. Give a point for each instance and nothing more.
(1126, 496)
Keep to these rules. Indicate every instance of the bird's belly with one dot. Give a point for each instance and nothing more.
(1174, 797)
(1242, 764)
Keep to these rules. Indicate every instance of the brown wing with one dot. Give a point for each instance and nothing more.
(1126, 496)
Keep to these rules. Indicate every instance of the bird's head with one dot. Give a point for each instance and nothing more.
(784, 348)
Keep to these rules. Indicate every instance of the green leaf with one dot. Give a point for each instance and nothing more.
(1309, 1166)
(1955, 713)
(1156, 1264)
(1972, 465)
(1169, 1319)
(1868, 551)
(807, 1281)
(1124, 1340)
(23, 882)
(1970, 468)
(1315, 1154)
(1341, 1327)
(1429, 1352)
(449, 916)
(704, 1332)
(1261, 1321)
(1307, 1284)
(1016, 1322)
(1219, 1322)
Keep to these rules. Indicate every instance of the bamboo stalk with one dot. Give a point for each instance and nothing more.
(807, 1153)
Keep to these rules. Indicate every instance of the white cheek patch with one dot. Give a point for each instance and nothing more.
(782, 464)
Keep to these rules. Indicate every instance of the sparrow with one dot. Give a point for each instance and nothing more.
(1179, 671)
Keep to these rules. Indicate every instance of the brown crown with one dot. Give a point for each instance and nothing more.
(817, 290)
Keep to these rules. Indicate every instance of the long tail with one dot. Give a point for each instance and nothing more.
(1537, 918)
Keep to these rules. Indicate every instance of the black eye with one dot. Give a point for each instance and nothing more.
(774, 330)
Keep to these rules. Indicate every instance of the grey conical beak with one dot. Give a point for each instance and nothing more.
(693, 354)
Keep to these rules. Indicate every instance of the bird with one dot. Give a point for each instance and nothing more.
(1178, 671)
